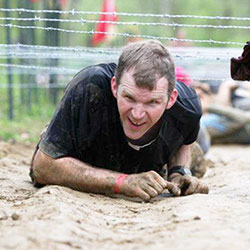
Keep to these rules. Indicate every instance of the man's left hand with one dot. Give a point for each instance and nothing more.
(189, 185)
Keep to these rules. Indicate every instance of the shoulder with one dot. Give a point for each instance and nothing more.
(187, 99)
(187, 108)
(185, 91)
(99, 75)
(185, 114)
(90, 80)
(97, 72)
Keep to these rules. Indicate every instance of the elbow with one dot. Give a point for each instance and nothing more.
(40, 169)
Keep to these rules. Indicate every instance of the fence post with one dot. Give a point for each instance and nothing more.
(9, 61)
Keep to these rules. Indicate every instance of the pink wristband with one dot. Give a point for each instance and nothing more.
(118, 183)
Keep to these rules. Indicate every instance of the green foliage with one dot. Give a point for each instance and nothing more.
(29, 118)
(27, 124)
(21, 130)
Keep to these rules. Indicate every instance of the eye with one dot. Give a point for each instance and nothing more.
(153, 102)
(129, 98)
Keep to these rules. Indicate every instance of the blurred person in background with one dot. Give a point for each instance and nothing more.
(226, 114)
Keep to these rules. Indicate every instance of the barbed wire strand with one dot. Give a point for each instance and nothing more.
(74, 12)
(43, 55)
(30, 85)
(43, 68)
(71, 49)
(45, 86)
(74, 71)
(211, 41)
(88, 50)
(83, 21)
(49, 55)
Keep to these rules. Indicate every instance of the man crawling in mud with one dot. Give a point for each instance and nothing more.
(126, 128)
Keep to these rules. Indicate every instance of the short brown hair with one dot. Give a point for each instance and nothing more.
(150, 61)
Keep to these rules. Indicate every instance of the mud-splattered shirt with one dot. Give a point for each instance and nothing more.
(86, 126)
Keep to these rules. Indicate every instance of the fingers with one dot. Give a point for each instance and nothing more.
(203, 188)
(193, 185)
(148, 185)
(154, 188)
(147, 192)
(158, 180)
(172, 188)
(150, 191)
(157, 187)
(160, 184)
(153, 184)
(145, 185)
(143, 195)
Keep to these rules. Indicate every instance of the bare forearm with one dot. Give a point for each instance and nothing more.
(73, 173)
(78, 175)
(241, 117)
(182, 157)
(224, 97)
(187, 184)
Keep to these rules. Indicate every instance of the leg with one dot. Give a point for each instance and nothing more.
(199, 162)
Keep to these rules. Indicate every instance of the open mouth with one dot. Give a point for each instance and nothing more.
(136, 124)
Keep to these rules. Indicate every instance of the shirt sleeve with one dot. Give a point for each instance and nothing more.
(187, 111)
(193, 134)
(77, 121)
(60, 137)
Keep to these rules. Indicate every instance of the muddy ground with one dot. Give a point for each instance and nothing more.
(59, 218)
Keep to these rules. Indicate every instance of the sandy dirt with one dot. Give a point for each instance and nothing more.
(59, 218)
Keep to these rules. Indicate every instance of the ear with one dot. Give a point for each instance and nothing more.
(114, 86)
(172, 99)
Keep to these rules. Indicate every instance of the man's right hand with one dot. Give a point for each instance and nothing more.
(147, 185)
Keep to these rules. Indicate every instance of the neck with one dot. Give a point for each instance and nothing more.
(149, 136)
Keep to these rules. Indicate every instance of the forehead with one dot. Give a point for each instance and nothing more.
(128, 85)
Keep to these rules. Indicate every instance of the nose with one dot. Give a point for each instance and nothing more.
(138, 112)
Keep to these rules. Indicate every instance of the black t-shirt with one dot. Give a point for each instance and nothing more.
(86, 126)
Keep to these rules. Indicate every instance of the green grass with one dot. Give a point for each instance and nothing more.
(26, 126)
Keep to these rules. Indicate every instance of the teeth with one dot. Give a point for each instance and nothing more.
(137, 124)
